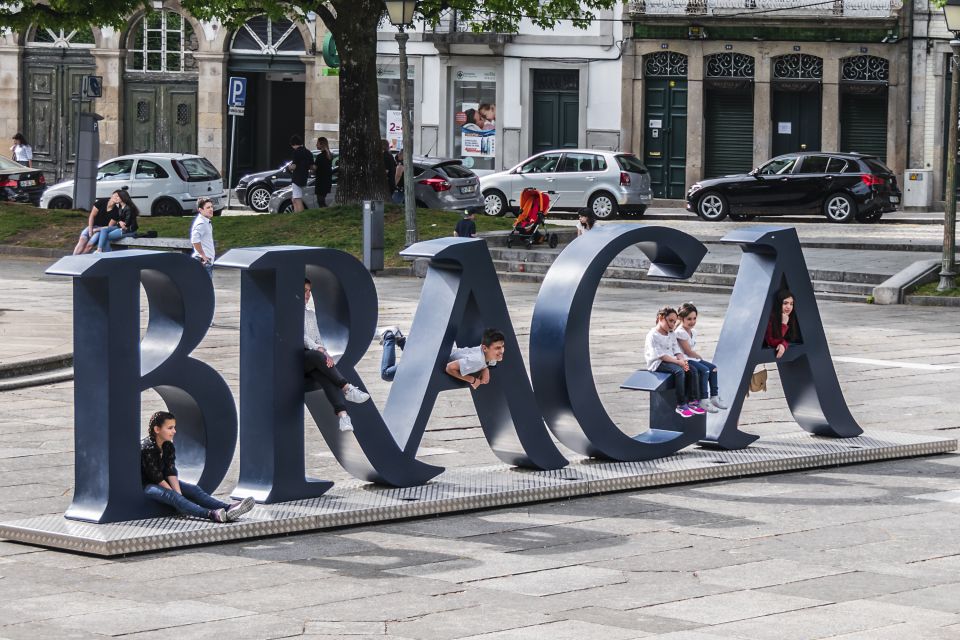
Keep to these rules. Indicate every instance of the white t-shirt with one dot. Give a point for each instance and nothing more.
(201, 232)
(658, 345)
(311, 332)
(471, 360)
(22, 153)
(690, 337)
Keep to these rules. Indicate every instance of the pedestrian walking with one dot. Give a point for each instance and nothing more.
(300, 168)
(159, 477)
(324, 172)
(466, 227)
(21, 151)
(201, 235)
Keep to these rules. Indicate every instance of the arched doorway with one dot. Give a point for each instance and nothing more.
(728, 114)
(160, 106)
(796, 103)
(665, 120)
(267, 53)
(863, 105)
(54, 64)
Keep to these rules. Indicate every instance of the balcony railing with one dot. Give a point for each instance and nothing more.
(768, 8)
(451, 22)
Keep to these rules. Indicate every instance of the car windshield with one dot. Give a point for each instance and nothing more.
(541, 164)
(778, 166)
(6, 163)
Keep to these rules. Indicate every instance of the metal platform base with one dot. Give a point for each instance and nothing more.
(469, 488)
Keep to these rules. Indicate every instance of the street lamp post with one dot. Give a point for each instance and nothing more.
(951, 12)
(401, 15)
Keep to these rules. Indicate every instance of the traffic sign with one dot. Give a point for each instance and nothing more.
(235, 111)
(237, 92)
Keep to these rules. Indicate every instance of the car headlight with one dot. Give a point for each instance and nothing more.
(696, 186)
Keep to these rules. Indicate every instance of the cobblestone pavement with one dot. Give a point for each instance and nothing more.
(854, 552)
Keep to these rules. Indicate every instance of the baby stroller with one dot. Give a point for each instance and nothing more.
(529, 226)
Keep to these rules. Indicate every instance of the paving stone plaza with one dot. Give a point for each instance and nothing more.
(862, 551)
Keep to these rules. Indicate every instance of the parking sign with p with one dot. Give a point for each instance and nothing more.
(236, 92)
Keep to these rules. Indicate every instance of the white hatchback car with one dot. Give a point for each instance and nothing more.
(162, 184)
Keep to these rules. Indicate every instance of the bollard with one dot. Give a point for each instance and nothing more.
(373, 235)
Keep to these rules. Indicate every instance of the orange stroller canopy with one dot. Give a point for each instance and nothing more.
(532, 204)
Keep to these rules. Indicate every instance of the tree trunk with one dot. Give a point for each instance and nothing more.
(361, 174)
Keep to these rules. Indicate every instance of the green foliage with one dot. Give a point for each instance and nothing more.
(930, 289)
(503, 16)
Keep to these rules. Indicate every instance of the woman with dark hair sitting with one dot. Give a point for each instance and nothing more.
(123, 221)
(782, 328)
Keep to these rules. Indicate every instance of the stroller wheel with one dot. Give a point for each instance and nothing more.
(554, 240)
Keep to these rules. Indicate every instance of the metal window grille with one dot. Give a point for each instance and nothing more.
(666, 63)
(798, 66)
(730, 65)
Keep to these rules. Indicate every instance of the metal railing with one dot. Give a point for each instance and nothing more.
(787, 8)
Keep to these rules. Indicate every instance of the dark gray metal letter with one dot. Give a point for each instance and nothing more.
(272, 384)
(112, 366)
(461, 296)
(772, 256)
(560, 341)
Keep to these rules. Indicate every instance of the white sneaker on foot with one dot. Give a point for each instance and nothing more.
(708, 407)
(345, 423)
(715, 401)
(237, 509)
(383, 331)
(353, 394)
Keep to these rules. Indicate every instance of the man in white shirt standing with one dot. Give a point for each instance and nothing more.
(201, 235)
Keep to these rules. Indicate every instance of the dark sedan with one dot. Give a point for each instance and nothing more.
(255, 189)
(840, 186)
(19, 183)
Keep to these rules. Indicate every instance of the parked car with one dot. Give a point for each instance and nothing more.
(438, 184)
(255, 189)
(19, 183)
(840, 186)
(606, 182)
(161, 184)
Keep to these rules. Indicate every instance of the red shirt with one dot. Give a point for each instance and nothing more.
(774, 342)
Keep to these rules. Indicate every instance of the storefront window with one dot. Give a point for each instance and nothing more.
(475, 118)
(388, 98)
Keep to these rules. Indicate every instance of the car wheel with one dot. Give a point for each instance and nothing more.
(603, 205)
(166, 207)
(741, 217)
(258, 198)
(712, 207)
(60, 202)
(494, 203)
(285, 207)
(840, 207)
(872, 216)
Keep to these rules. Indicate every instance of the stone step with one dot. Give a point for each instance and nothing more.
(36, 379)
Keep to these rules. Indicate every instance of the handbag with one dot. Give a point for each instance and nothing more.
(758, 381)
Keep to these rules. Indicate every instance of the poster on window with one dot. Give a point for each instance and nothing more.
(395, 129)
(478, 129)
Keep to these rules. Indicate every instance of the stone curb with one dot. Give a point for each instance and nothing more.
(933, 301)
(892, 290)
(36, 365)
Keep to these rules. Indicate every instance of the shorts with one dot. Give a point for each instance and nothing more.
(297, 191)
(86, 236)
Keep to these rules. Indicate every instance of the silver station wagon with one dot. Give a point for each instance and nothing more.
(606, 182)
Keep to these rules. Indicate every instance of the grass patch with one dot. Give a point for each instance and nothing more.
(335, 227)
(930, 289)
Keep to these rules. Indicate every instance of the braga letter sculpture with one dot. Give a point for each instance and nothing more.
(112, 366)
(772, 258)
(560, 341)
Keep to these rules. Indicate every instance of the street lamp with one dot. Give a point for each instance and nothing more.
(951, 12)
(401, 15)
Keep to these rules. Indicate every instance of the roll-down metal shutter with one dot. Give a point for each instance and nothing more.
(863, 124)
(729, 132)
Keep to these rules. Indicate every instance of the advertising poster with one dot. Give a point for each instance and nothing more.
(395, 129)
(478, 129)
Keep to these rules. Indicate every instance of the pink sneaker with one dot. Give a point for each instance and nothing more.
(696, 408)
(684, 411)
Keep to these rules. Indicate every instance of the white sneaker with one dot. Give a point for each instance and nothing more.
(383, 331)
(345, 424)
(715, 401)
(709, 408)
(237, 509)
(353, 394)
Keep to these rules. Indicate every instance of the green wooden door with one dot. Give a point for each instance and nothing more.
(728, 132)
(665, 135)
(160, 117)
(51, 92)
(796, 118)
(556, 109)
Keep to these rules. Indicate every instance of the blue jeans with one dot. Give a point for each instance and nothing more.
(687, 383)
(108, 235)
(388, 361)
(708, 374)
(194, 502)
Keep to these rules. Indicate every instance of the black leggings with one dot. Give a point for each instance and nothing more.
(329, 379)
(687, 383)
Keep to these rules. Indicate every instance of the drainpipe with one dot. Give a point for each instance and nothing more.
(910, 84)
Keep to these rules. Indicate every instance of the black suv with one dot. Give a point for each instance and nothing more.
(840, 186)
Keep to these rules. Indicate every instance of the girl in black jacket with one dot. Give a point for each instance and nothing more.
(158, 474)
(123, 221)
